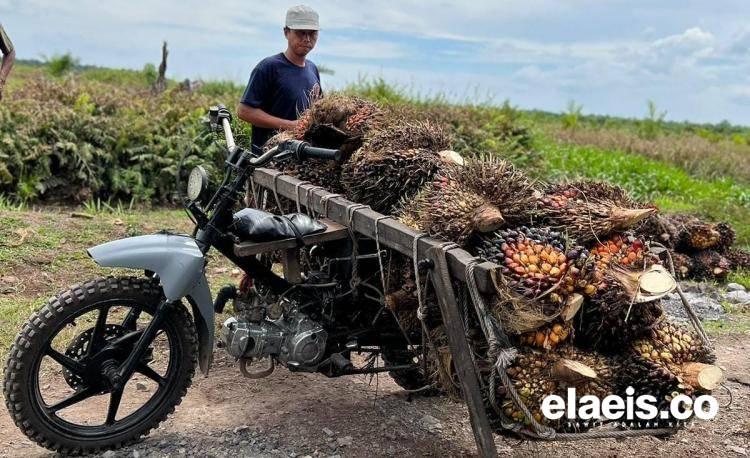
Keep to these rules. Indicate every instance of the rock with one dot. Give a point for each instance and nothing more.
(241, 429)
(109, 454)
(707, 309)
(136, 454)
(735, 287)
(328, 432)
(141, 386)
(345, 441)
(738, 450)
(738, 297)
(430, 423)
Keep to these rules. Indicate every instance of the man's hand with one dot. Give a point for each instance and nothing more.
(260, 118)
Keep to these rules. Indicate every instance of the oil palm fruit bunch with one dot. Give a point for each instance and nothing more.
(710, 265)
(338, 121)
(650, 376)
(380, 178)
(727, 236)
(684, 266)
(402, 134)
(531, 380)
(659, 228)
(445, 210)
(600, 384)
(696, 235)
(548, 337)
(619, 249)
(498, 181)
(738, 258)
(672, 343)
(588, 210)
(532, 260)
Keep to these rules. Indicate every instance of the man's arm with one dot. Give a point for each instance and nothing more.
(9, 57)
(260, 118)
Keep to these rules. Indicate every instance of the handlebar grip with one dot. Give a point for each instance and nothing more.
(307, 151)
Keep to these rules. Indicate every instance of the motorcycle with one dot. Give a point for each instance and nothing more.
(101, 341)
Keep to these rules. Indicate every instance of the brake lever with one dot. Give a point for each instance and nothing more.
(286, 155)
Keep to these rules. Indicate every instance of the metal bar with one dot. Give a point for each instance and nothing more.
(391, 233)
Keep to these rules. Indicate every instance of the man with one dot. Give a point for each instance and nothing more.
(9, 56)
(282, 86)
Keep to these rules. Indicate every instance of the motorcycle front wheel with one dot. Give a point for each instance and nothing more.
(58, 384)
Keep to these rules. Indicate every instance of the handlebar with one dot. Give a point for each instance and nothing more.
(219, 115)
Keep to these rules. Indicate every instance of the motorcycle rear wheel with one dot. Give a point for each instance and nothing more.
(84, 361)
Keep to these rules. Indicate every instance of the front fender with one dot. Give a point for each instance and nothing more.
(181, 268)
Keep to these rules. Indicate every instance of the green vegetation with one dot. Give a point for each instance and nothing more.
(99, 136)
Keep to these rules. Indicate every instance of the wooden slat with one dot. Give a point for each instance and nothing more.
(462, 360)
(334, 231)
(392, 234)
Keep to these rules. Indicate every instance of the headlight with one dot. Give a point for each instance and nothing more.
(197, 183)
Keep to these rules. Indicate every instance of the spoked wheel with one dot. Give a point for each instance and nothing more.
(64, 384)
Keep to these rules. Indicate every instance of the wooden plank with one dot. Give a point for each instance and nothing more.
(462, 360)
(334, 231)
(392, 234)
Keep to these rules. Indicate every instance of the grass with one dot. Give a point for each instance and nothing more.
(51, 255)
(741, 276)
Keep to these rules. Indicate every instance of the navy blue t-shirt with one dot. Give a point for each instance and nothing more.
(280, 88)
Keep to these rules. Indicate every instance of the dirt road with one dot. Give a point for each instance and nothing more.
(297, 415)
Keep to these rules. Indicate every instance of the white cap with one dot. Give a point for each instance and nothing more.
(302, 17)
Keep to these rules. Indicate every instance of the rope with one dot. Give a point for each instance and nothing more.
(350, 211)
(324, 202)
(308, 201)
(377, 247)
(276, 191)
(296, 194)
(415, 260)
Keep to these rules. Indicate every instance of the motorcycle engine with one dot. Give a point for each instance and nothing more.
(295, 340)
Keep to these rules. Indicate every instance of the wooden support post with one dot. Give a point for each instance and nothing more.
(461, 354)
(290, 261)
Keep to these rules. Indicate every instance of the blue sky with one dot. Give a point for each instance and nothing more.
(691, 57)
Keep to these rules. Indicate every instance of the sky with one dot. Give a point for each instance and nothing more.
(691, 57)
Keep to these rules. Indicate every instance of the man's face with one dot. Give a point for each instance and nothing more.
(301, 42)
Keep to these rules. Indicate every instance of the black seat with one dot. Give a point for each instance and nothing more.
(251, 224)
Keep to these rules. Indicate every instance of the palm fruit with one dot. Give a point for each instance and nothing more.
(659, 228)
(738, 259)
(606, 370)
(649, 376)
(533, 260)
(548, 337)
(620, 249)
(727, 236)
(326, 174)
(589, 210)
(278, 139)
(531, 380)
(673, 344)
(444, 210)
(380, 178)
(684, 265)
(402, 134)
(338, 121)
(696, 235)
(711, 265)
(498, 181)
(536, 375)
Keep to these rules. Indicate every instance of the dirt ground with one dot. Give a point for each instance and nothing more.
(294, 415)
(289, 414)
